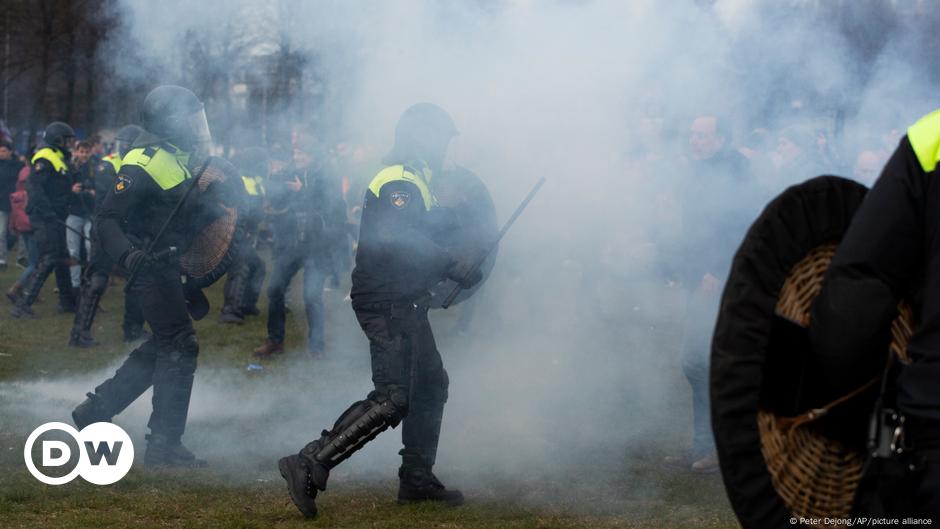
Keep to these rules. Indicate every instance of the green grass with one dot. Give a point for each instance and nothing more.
(641, 492)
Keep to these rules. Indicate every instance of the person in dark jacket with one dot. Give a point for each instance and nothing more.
(246, 275)
(49, 188)
(9, 169)
(712, 228)
(81, 207)
(402, 254)
(308, 218)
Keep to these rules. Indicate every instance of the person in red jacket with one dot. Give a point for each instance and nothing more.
(9, 167)
(20, 225)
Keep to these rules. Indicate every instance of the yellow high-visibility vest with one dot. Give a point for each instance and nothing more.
(395, 173)
(53, 156)
(167, 169)
(925, 139)
(115, 160)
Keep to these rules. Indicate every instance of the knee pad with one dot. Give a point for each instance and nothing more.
(180, 354)
(358, 425)
(393, 396)
(187, 344)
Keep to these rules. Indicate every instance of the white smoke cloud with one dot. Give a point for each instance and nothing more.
(574, 352)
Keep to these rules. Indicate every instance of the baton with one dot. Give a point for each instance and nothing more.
(133, 277)
(525, 202)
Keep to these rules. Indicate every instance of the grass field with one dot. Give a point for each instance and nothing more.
(241, 421)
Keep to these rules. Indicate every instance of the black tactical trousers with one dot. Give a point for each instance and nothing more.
(286, 264)
(53, 256)
(405, 359)
(907, 485)
(95, 282)
(243, 285)
(167, 360)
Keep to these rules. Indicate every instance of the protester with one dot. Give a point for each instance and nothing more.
(9, 170)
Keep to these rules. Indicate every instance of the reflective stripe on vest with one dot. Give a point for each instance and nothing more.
(53, 156)
(167, 170)
(253, 186)
(398, 172)
(925, 139)
(114, 160)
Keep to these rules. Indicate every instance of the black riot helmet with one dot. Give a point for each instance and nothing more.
(422, 133)
(174, 114)
(125, 137)
(58, 135)
(253, 161)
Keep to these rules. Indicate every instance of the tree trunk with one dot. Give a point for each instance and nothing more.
(40, 113)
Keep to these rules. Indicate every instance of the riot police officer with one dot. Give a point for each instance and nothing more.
(308, 218)
(401, 255)
(49, 188)
(153, 179)
(104, 174)
(243, 286)
(888, 254)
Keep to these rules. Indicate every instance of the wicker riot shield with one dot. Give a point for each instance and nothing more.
(213, 221)
(786, 447)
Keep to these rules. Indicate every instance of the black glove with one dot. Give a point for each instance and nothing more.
(135, 260)
(465, 273)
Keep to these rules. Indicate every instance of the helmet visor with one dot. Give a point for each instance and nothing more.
(199, 127)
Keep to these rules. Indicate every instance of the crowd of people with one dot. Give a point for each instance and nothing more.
(304, 202)
(707, 186)
(295, 204)
(306, 205)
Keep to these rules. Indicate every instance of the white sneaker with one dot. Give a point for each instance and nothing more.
(706, 465)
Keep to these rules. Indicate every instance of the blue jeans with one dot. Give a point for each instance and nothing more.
(33, 251)
(286, 265)
(78, 225)
(701, 313)
(4, 219)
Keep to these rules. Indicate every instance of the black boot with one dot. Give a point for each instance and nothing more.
(163, 452)
(307, 472)
(90, 411)
(300, 483)
(24, 312)
(229, 315)
(417, 483)
(132, 334)
(82, 339)
(85, 314)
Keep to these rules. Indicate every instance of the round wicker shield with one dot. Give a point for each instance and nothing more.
(816, 476)
(214, 223)
(778, 455)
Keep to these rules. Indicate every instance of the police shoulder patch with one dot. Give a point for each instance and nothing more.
(122, 183)
(399, 199)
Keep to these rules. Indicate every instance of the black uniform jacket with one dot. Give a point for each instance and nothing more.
(398, 259)
(891, 252)
(135, 209)
(104, 178)
(49, 192)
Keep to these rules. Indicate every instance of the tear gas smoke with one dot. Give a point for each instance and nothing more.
(570, 369)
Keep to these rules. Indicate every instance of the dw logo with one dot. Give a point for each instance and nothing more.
(102, 453)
